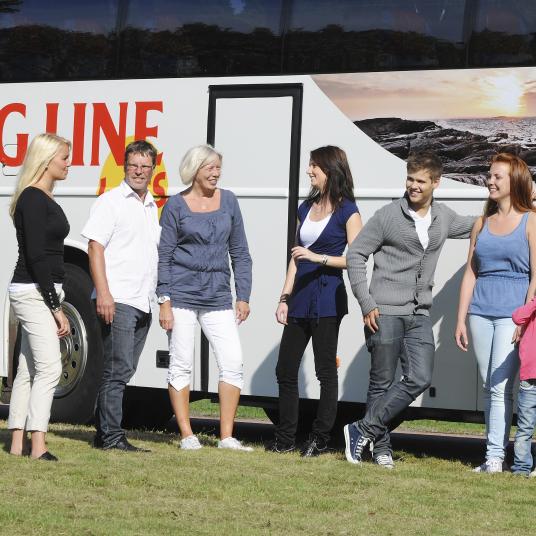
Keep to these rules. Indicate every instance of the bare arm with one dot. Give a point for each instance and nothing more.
(97, 267)
(282, 309)
(531, 235)
(466, 290)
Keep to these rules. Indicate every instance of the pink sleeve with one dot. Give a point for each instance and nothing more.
(522, 314)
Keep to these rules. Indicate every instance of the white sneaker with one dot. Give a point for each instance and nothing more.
(385, 461)
(493, 465)
(191, 443)
(533, 474)
(233, 444)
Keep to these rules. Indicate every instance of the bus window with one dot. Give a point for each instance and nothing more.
(503, 33)
(344, 35)
(201, 37)
(60, 40)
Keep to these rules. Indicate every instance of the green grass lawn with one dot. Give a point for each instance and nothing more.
(168, 491)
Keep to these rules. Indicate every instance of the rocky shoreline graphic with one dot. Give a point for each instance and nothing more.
(465, 154)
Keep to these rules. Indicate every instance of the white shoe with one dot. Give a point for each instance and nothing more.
(385, 461)
(191, 443)
(532, 474)
(233, 444)
(493, 465)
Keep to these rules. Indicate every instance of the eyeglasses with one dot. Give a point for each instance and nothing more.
(135, 167)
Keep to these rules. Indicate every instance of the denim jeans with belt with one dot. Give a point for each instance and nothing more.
(123, 342)
(526, 421)
(410, 340)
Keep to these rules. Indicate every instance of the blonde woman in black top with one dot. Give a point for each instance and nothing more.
(35, 291)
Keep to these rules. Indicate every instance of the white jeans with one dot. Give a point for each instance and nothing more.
(39, 368)
(222, 333)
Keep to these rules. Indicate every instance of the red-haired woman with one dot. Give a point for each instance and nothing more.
(499, 278)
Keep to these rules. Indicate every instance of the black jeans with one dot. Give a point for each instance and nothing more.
(409, 339)
(296, 335)
(123, 342)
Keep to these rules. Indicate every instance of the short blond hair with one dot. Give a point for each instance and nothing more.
(194, 159)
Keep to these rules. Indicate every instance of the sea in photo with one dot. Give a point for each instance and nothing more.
(466, 116)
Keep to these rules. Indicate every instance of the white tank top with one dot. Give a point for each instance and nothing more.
(311, 230)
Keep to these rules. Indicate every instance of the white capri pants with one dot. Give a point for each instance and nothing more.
(39, 368)
(222, 333)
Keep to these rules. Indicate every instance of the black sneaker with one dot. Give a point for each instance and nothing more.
(123, 445)
(279, 447)
(314, 447)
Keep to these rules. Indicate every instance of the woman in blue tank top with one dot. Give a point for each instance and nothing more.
(314, 300)
(499, 277)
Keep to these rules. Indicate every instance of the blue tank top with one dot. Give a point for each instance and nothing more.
(503, 268)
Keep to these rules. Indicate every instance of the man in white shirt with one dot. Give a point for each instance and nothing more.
(123, 234)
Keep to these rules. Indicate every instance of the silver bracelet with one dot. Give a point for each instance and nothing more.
(325, 259)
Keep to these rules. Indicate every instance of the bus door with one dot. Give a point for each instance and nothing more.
(257, 128)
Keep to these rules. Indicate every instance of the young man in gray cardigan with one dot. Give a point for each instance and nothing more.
(405, 238)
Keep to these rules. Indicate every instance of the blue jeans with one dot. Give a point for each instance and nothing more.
(407, 338)
(498, 363)
(526, 421)
(123, 342)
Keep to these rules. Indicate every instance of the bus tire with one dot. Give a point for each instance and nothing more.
(81, 352)
(146, 408)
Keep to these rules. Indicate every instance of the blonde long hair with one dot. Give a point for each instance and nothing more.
(42, 150)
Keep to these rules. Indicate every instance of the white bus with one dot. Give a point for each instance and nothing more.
(265, 82)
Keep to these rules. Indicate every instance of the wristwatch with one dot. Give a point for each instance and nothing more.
(163, 299)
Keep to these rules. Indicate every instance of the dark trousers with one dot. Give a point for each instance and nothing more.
(296, 335)
(410, 340)
(123, 342)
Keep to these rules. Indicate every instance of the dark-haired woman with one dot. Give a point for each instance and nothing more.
(500, 276)
(313, 300)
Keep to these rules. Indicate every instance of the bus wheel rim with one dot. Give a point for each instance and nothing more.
(73, 349)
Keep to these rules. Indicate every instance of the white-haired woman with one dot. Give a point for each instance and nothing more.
(35, 291)
(201, 228)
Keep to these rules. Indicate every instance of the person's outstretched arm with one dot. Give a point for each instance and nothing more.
(368, 241)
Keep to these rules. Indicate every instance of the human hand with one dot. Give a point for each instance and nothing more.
(64, 327)
(371, 320)
(242, 311)
(106, 306)
(166, 315)
(281, 313)
(300, 253)
(518, 333)
(460, 336)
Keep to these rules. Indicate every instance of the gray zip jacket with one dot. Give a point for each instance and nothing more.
(403, 273)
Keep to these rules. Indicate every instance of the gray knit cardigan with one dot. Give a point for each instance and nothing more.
(402, 278)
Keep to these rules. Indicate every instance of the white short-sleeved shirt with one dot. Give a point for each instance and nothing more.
(422, 224)
(128, 229)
